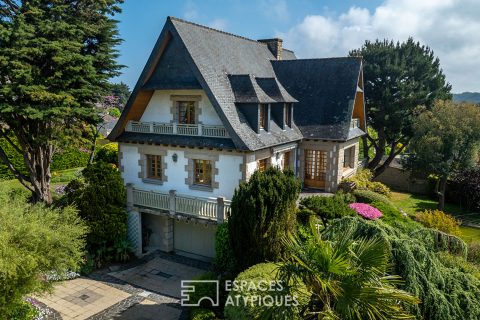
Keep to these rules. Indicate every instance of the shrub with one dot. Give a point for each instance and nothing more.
(254, 276)
(108, 153)
(445, 290)
(202, 314)
(34, 240)
(70, 157)
(115, 112)
(328, 208)
(204, 289)
(363, 181)
(439, 220)
(367, 196)
(224, 258)
(15, 157)
(393, 216)
(263, 211)
(366, 211)
(473, 254)
(100, 199)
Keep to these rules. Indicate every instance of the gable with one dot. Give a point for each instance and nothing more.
(172, 70)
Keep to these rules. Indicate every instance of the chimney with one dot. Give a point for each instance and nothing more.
(275, 46)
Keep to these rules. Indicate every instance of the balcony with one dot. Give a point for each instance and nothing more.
(201, 130)
(210, 209)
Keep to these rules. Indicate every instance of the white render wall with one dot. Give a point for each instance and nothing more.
(228, 177)
(159, 109)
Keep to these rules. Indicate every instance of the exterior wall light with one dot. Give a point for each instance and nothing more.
(174, 157)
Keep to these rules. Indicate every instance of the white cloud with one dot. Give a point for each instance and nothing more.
(450, 27)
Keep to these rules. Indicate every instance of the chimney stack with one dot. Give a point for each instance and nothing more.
(275, 46)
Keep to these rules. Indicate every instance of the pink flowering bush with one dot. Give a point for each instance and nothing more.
(366, 210)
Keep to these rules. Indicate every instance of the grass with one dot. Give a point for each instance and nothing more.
(412, 203)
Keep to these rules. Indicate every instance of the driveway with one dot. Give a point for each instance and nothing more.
(146, 289)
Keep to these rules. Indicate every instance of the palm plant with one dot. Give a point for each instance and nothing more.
(347, 277)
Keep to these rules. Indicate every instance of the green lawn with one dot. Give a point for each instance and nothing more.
(412, 203)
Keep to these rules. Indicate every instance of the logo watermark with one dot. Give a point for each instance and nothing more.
(246, 293)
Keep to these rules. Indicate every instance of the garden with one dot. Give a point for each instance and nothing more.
(364, 253)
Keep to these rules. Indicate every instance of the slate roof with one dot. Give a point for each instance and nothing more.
(233, 69)
(176, 140)
(325, 89)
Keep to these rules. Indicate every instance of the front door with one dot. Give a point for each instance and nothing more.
(315, 168)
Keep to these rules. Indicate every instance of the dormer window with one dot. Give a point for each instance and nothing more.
(263, 122)
(288, 114)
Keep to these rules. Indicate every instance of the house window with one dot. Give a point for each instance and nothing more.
(202, 172)
(263, 116)
(262, 165)
(186, 112)
(154, 167)
(286, 160)
(349, 158)
(288, 114)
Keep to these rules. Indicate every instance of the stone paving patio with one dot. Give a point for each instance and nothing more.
(82, 298)
(146, 289)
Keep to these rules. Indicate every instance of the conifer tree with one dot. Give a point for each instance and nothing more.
(56, 57)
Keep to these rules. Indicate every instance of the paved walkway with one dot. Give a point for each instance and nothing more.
(147, 289)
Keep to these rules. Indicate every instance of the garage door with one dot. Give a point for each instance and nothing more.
(195, 240)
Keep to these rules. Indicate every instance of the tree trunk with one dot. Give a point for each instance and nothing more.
(38, 161)
(95, 132)
(379, 151)
(442, 186)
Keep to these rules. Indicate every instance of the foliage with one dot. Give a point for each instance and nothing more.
(56, 59)
(367, 196)
(263, 210)
(100, 199)
(24, 311)
(393, 216)
(70, 158)
(447, 138)
(108, 153)
(328, 208)
(446, 291)
(34, 240)
(439, 220)
(473, 254)
(398, 77)
(366, 211)
(348, 275)
(362, 180)
(202, 314)
(467, 188)
(121, 91)
(253, 278)
(224, 258)
(115, 112)
(460, 263)
(204, 289)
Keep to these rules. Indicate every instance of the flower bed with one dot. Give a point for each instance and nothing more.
(366, 211)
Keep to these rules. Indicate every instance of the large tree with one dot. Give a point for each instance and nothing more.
(56, 57)
(446, 140)
(398, 77)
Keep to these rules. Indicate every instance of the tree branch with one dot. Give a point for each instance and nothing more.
(20, 177)
(20, 151)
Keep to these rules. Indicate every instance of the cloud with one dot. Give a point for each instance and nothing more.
(450, 27)
(190, 11)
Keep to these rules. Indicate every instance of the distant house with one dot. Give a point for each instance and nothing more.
(209, 109)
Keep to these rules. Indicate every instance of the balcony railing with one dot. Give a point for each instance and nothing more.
(178, 128)
(215, 209)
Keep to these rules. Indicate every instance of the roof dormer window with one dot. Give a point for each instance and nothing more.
(288, 114)
(263, 120)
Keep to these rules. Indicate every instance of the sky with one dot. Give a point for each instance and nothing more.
(317, 28)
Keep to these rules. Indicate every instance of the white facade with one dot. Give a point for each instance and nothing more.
(228, 171)
(159, 107)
